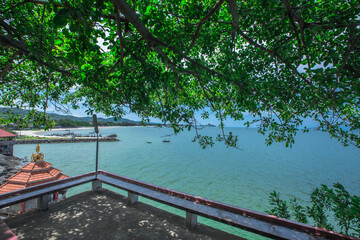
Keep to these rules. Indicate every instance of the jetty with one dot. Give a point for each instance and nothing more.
(65, 140)
(67, 137)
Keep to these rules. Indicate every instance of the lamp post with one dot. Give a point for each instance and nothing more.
(97, 142)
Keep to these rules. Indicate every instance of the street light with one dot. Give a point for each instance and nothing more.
(97, 142)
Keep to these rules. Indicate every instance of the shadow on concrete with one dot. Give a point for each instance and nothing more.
(106, 215)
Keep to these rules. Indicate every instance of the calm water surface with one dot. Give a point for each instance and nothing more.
(242, 178)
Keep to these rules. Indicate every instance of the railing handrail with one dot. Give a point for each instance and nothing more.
(28, 193)
(315, 231)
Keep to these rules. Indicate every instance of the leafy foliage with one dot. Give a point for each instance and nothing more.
(335, 201)
(280, 206)
(299, 211)
(279, 61)
(320, 203)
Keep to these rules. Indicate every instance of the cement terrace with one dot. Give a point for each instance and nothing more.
(106, 215)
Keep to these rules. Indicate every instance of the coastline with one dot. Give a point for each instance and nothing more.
(36, 133)
(60, 139)
(65, 140)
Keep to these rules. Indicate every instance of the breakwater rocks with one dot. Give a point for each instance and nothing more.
(65, 140)
(9, 165)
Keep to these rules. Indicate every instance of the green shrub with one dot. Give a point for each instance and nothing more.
(324, 201)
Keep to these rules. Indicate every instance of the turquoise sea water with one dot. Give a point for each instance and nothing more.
(241, 178)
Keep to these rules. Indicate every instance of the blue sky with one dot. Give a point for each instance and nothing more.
(212, 119)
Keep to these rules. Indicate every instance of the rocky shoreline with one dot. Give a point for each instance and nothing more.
(9, 165)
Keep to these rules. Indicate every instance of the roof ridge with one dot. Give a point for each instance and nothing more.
(27, 181)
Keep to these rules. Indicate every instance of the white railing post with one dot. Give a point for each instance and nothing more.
(96, 185)
(191, 220)
(43, 202)
(132, 198)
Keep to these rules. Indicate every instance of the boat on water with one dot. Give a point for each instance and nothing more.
(148, 142)
(166, 140)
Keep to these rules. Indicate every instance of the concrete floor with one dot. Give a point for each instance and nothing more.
(106, 215)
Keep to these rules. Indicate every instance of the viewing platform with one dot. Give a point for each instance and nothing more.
(106, 215)
(102, 214)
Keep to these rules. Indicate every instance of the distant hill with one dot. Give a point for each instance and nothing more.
(57, 117)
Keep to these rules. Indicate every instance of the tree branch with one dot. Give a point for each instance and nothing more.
(325, 25)
(348, 52)
(113, 17)
(202, 21)
(42, 25)
(293, 14)
(130, 15)
(328, 25)
(14, 6)
(10, 30)
(8, 68)
(5, 41)
(274, 54)
(296, 34)
(119, 32)
(235, 16)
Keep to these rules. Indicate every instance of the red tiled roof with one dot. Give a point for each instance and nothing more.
(8, 187)
(61, 176)
(32, 166)
(54, 171)
(32, 174)
(4, 133)
(19, 177)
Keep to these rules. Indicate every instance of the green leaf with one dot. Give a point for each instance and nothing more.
(148, 9)
(60, 21)
(58, 41)
(61, 18)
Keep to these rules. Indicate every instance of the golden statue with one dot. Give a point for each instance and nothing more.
(38, 156)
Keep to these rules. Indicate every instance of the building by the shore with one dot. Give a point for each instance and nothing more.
(7, 143)
(34, 173)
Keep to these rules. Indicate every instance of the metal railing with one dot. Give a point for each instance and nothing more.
(40, 190)
(252, 221)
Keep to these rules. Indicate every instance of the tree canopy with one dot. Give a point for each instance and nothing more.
(281, 61)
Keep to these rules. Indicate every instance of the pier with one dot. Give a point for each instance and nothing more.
(65, 140)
